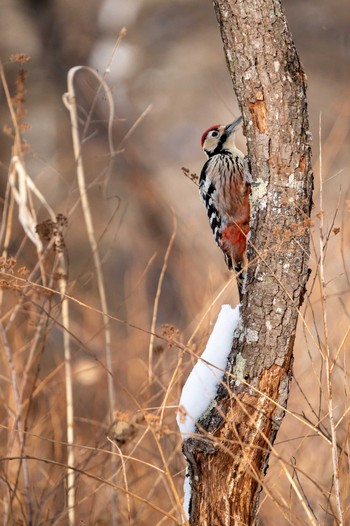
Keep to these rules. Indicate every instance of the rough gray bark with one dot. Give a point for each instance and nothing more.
(226, 467)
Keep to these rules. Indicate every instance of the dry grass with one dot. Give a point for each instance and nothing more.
(89, 393)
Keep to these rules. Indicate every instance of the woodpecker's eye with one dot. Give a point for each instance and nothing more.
(214, 133)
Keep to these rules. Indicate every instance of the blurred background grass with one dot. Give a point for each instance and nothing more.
(171, 59)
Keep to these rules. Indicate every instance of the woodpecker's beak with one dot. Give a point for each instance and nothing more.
(230, 128)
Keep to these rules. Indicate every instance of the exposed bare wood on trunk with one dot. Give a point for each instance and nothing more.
(227, 466)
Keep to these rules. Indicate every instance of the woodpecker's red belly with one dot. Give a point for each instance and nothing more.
(234, 241)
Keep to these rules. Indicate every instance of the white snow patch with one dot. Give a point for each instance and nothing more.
(201, 385)
(187, 494)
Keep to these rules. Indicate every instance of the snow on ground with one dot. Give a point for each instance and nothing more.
(202, 383)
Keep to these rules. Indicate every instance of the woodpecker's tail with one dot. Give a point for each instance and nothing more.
(241, 275)
(228, 260)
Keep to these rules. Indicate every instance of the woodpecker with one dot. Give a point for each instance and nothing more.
(225, 194)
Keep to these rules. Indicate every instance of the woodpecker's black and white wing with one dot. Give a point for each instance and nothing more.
(209, 195)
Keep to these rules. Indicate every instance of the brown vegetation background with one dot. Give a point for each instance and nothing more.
(171, 59)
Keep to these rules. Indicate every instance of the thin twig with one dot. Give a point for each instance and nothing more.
(103, 481)
(17, 423)
(125, 479)
(327, 354)
(156, 300)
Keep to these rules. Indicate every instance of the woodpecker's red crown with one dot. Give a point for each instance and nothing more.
(220, 138)
(212, 128)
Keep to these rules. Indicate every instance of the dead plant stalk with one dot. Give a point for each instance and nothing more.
(156, 301)
(70, 101)
(327, 354)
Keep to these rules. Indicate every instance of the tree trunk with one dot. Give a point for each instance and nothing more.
(227, 465)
